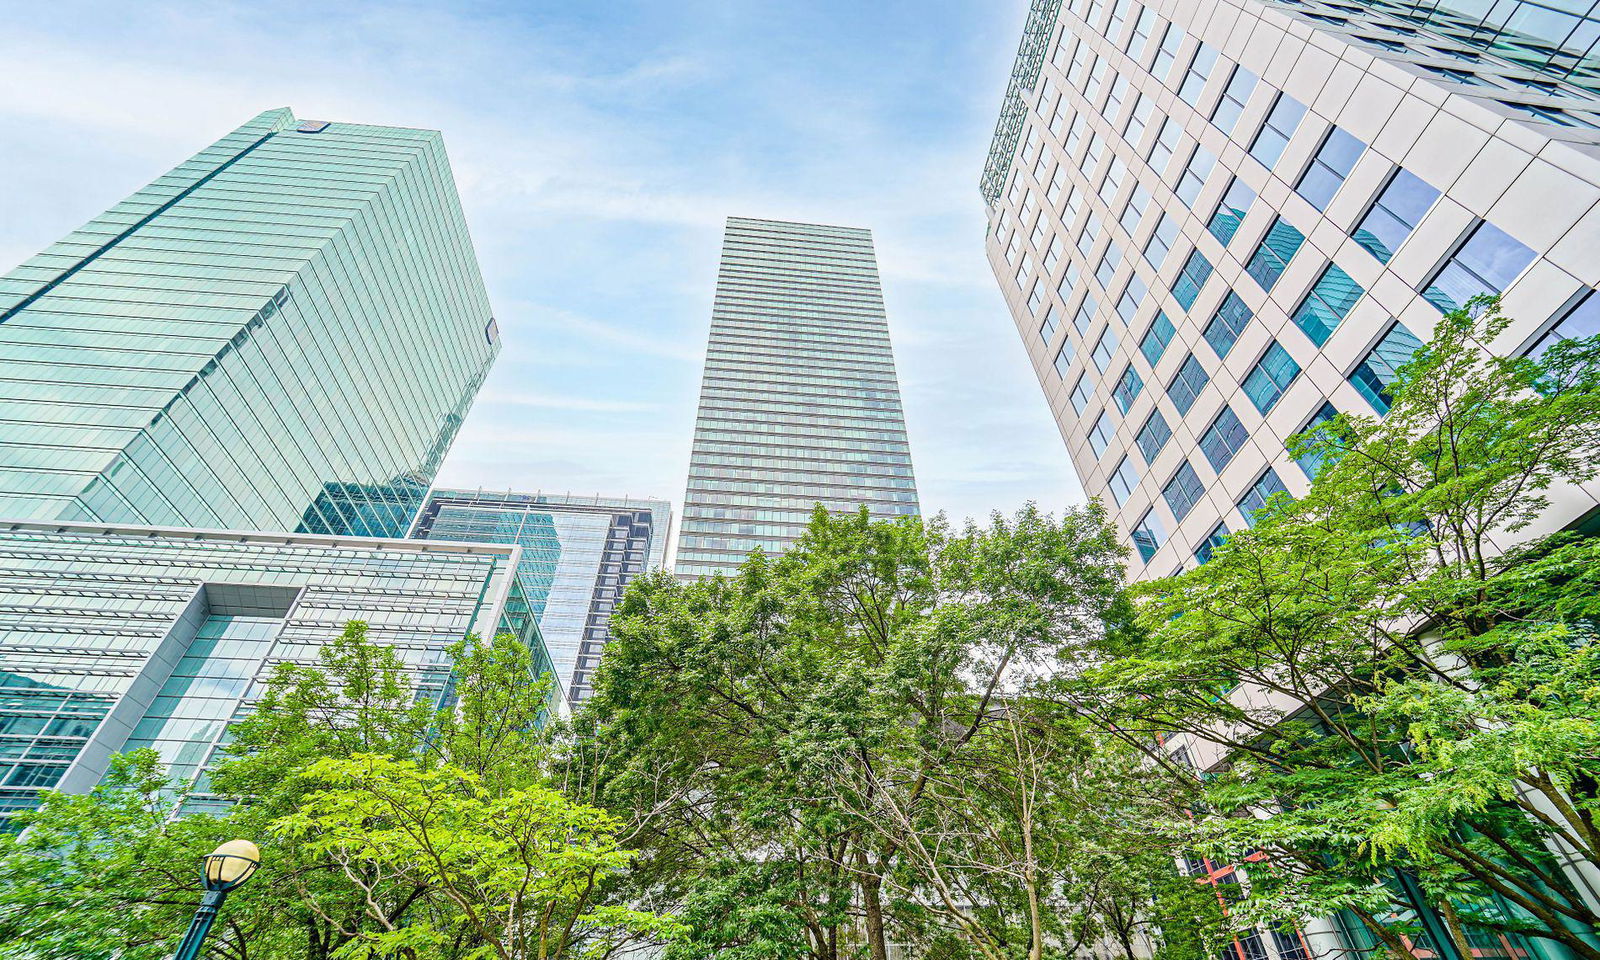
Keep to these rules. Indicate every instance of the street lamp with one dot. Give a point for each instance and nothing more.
(226, 868)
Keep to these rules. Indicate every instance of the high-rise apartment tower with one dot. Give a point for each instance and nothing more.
(282, 333)
(799, 404)
(578, 555)
(1217, 222)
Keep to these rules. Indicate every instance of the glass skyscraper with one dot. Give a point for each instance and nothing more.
(799, 403)
(116, 638)
(578, 555)
(282, 333)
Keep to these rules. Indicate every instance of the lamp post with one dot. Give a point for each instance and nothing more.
(226, 868)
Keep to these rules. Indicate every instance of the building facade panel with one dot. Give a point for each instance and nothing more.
(799, 404)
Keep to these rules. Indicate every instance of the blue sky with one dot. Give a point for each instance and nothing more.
(598, 146)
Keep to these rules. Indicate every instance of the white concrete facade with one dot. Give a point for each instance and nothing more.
(1137, 125)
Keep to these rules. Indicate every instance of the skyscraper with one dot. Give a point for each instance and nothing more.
(799, 404)
(1218, 223)
(578, 555)
(282, 333)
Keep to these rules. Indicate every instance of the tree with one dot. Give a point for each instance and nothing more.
(835, 749)
(332, 759)
(1392, 679)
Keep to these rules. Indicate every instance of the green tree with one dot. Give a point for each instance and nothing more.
(834, 749)
(1391, 681)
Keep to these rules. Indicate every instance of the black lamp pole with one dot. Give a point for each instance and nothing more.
(226, 868)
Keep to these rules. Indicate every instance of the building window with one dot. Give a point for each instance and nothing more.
(1193, 178)
(1252, 946)
(1161, 241)
(1397, 211)
(1080, 394)
(1085, 315)
(1143, 28)
(1064, 356)
(1231, 210)
(1091, 233)
(1155, 340)
(1052, 254)
(1187, 384)
(1328, 303)
(1127, 389)
(1289, 944)
(1334, 160)
(1196, 271)
(1047, 329)
(1224, 438)
(1138, 119)
(1161, 152)
(1183, 491)
(1109, 261)
(1133, 294)
(1260, 494)
(1069, 279)
(1579, 323)
(1123, 480)
(1148, 535)
(1272, 257)
(1234, 97)
(1167, 53)
(1112, 181)
(1230, 320)
(1208, 546)
(1551, 115)
(1312, 461)
(1269, 379)
(1153, 436)
(1100, 434)
(1103, 349)
(1035, 297)
(1486, 263)
(1194, 78)
(1134, 208)
(1114, 98)
(1119, 18)
(1024, 272)
(1275, 132)
(1378, 371)
(1466, 77)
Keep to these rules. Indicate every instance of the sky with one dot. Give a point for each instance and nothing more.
(598, 147)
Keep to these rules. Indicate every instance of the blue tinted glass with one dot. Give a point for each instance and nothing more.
(1259, 493)
(1329, 168)
(1223, 439)
(1327, 304)
(1149, 535)
(1270, 377)
(1486, 264)
(1183, 491)
(1277, 248)
(1186, 386)
(1153, 436)
(1396, 213)
(1311, 462)
(1230, 211)
(1156, 339)
(1580, 323)
(1373, 376)
(1186, 288)
(1209, 545)
(1230, 320)
(1127, 388)
(1276, 131)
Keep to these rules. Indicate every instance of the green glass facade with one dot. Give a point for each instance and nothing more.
(799, 403)
(578, 556)
(282, 333)
(114, 638)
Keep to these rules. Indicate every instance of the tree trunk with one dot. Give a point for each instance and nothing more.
(871, 886)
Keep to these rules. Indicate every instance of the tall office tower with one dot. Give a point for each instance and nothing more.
(578, 555)
(116, 638)
(282, 333)
(1218, 223)
(799, 404)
